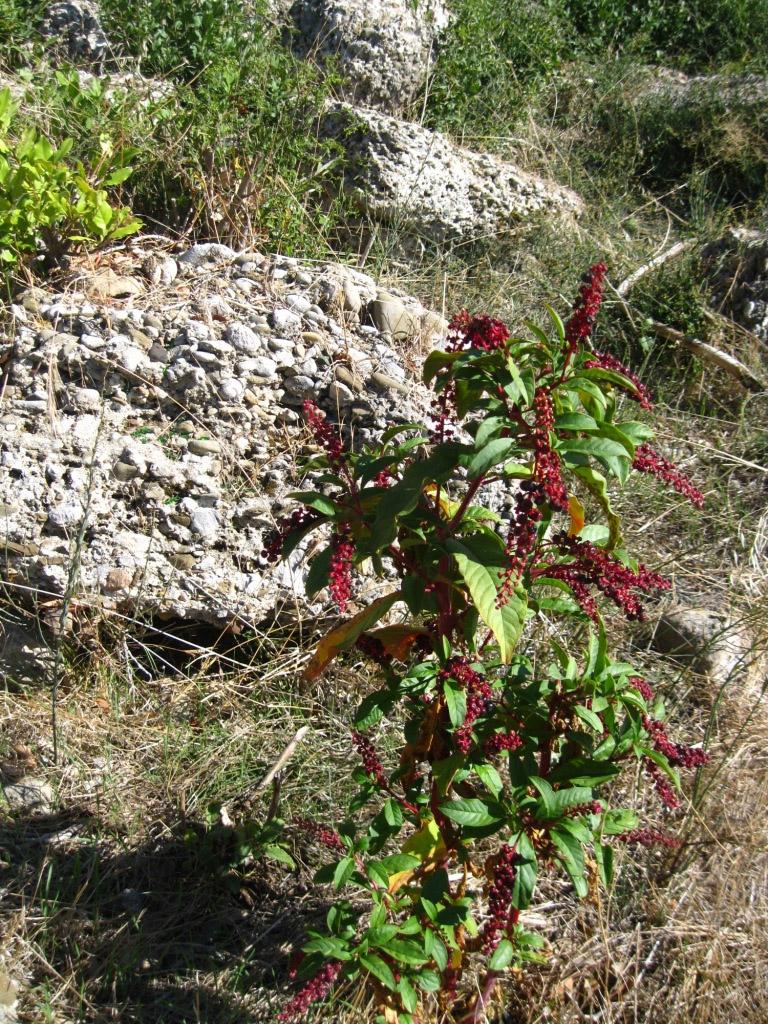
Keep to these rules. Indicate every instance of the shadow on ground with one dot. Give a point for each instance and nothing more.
(102, 927)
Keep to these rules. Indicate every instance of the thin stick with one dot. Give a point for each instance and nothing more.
(707, 352)
(627, 283)
(280, 762)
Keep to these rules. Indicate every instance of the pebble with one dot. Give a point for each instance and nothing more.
(243, 339)
(205, 523)
(298, 303)
(262, 367)
(204, 446)
(285, 321)
(231, 390)
(124, 471)
(300, 386)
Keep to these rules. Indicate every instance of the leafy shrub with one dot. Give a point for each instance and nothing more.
(507, 741)
(692, 34)
(48, 205)
(489, 60)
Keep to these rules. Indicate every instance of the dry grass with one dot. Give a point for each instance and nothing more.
(111, 911)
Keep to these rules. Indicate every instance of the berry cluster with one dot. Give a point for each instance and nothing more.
(500, 897)
(325, 435)
(678, 754)
(315, 990)
(642, 688)
(371, 763)
(650, 837)
(585, 308)
(604, 361)
(339, 575)
(478, 693)
(374, 649)
(501, 741)
(661, 783)
(593, 566)
(547, 463)
(485, 334)
(321, 834)
(523, 529)
(648, 460)
(274, 542)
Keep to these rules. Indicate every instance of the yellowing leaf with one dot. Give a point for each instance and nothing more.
(398, 640)
(577, 516)
(426, 844)
(346, 634)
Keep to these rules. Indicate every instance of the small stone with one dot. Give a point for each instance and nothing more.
(118, 579)
(304, 279)
(141, 339)
(347, 377)
(205, 523)
(300, 386)
(124, 472)
(352, 300)
(231, 390)
(29, 795)
(311, 338)
(132, 359)
(340, 394)
(109, 285)
(206, 252)
(298, 303)
(204, 446)
(285, 321)
(182, 561)
(243, 339)
(263, 367)
(382, 380)
(390, 316)
(158, 354)
(66, 514)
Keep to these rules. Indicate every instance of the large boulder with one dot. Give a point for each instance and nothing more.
(418, 180)
(148, 438)
(383, 47)
(736, 266)
(73, 26)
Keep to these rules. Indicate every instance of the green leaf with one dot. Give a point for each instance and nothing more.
(343, 872)
(373, 707)
(408, 996)
(572, 856)
(506, 622)
(118, 176)
(557, 322)
(437, 361)
(406, 951)
(376, 966)
(319, 571)
(494, 453)
(597, 446)
(314, 500)
(435, 949)
(620, 820)
(575, 421)
(428, 980)
(502, 956)
(525, 872)
(590, 718)
(490, 778)
(399, 862)
(456, 701)
(583, 771)
(470, 811)
(519, 387)
(279, 854)
(604, 857)
(598, 487)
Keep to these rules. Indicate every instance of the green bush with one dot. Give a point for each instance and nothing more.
(49, 204)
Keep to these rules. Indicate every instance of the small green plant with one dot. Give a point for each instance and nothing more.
(508, 741)
(50, 206)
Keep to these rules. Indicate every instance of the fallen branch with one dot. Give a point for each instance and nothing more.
(627, 283)
(707, 352)
(280, 762)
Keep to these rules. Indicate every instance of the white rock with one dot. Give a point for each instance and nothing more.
(243, 339)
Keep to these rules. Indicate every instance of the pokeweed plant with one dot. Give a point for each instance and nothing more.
(505, 758)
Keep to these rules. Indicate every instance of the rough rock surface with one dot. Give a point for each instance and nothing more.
(737, 268)
(383, 47)
(148, 438)
(705, 639)
(404, 174)
(74, 25)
